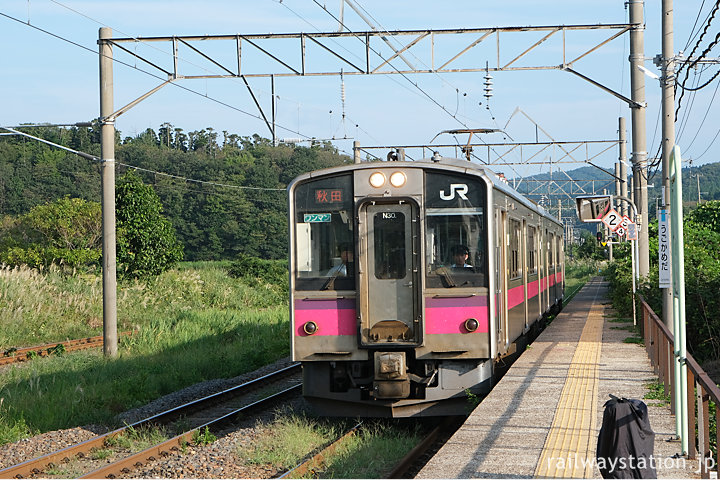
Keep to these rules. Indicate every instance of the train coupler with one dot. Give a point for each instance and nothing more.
(391, 377)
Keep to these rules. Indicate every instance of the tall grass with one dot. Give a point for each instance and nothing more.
(190, 324)
(45, 307)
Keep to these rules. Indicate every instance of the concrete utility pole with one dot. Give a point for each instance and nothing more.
(107, 154)
(623, 164)
(356, 152)
(639, 142)
(668, 130)
(617, 186)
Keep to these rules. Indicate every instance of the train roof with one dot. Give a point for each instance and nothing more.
(456, 164)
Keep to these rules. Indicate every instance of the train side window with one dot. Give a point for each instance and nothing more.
(532, 262)
(514, 250)
(551, 256)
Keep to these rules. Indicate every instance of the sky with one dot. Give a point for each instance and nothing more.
(49, 73)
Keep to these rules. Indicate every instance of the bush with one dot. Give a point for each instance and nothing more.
(269, 274)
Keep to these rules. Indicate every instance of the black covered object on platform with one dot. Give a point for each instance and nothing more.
(626, 441)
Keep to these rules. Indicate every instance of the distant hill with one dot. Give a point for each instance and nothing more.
(708, 177)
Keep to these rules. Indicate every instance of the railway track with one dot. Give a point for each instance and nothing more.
(13, 355)
(412, 463)
(210, 413)
(313, 462)
(406, 467)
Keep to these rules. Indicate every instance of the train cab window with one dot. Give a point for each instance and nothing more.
(455, 250)
(324, 239)
(455, 234)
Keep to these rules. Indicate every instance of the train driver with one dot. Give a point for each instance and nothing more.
(347, 267)
(460, 256)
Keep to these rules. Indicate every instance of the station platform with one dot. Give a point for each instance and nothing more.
(542, 419)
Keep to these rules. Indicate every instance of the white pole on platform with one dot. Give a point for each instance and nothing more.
(678, 287)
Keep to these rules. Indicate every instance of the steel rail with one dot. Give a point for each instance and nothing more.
(13, 355)
(163, 449)
(36, 465)
(449, 425)
(306, 467)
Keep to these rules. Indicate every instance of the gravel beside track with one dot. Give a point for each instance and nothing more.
(217, 460)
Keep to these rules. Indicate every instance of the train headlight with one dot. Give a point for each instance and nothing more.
(377, 179)
(310, 328)
(398, 179)
(471, 324)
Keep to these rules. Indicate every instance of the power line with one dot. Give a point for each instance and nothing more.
(150, 45)
(135, 67)
(441, 77)
(708, 148)
(693, 33)
(707, 112)
(98, 160)
(687, 65)
(200, 182)
(695, 89)
(682, 124)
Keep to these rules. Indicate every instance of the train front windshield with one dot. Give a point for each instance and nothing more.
(324, 239)
(455, 235)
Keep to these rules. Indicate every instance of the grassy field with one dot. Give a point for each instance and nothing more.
(191, 324)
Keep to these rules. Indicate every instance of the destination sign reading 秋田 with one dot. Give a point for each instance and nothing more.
(328, 195)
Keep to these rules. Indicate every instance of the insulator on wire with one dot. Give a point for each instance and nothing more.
(488, 84)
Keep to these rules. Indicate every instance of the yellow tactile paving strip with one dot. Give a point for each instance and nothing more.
(570, 445)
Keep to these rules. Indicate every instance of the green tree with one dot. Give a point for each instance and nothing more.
(588, 247)
(64, 232)
(706, 214)
(146, 241)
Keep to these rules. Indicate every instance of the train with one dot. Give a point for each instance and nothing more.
(412, 282)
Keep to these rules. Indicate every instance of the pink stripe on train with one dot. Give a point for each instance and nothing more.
(333, 317)
(516, 296)
(448, 315)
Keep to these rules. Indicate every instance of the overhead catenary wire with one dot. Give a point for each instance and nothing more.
(403, 75)
(441, 77)
(99, 160)
(416, 91)
(158, 77)
(690, 64)
(179, 58)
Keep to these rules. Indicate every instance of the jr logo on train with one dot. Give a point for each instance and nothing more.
(411, 281)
